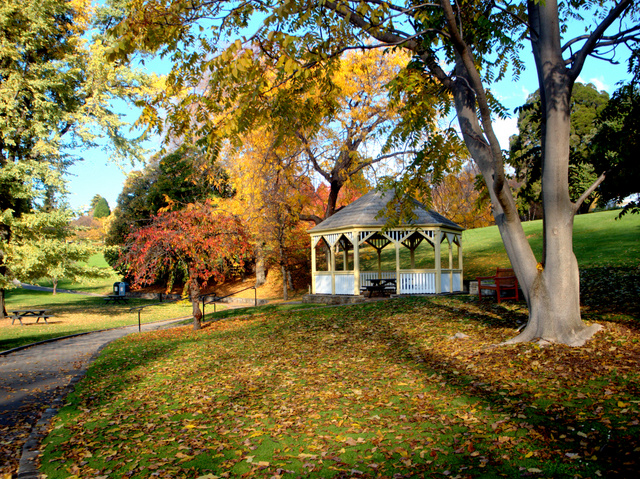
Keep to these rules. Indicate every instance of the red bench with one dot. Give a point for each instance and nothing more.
(504, 281)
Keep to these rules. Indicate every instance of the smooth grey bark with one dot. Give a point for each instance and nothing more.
(261, 272)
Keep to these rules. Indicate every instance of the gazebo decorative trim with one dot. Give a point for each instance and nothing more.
(357, 224)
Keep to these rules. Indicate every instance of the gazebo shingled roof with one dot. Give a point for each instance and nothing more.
(363, 212)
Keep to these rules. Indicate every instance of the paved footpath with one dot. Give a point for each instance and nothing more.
(33, 383)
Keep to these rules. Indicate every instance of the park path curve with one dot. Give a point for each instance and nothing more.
(35, 380)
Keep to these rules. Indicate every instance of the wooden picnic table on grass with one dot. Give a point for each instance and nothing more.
(21, 314)
(381, 286)
(116, 298)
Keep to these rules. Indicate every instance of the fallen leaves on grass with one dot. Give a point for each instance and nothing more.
(369, 391)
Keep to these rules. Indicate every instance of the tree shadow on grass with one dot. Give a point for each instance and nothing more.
(565, 435)
(562, 430)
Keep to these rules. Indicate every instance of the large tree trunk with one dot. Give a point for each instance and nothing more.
(3, 306)
(554, 295)
(551, 287)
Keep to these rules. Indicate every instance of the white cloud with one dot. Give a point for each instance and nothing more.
(598, 83)
(504, 129)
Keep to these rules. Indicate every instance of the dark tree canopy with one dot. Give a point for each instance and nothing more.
(616, 147)
(171, 183)
(525, 149)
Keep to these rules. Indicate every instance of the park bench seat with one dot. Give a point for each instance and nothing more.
(504, 281)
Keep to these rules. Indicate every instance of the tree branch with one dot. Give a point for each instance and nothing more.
(588, 191)
(592, 42)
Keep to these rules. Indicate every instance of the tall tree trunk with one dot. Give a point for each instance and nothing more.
(551, 288)
(194, 295)
(554, 294)
(54, 282)
(261, 273)
(3, 306)
(332, 200)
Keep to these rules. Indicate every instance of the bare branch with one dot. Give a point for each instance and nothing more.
(588, 191)
(597, 35)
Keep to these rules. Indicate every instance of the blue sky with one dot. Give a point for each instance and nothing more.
(98, 175)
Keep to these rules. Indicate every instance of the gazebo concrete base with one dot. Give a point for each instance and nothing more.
(332, 299)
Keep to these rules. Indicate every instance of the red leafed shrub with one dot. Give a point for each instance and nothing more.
(198, 243)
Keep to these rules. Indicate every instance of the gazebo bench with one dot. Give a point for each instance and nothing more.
(504, 281)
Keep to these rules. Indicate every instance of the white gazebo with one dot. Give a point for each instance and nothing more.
(343, 244)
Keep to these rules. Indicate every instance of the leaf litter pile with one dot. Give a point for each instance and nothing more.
(401, 388)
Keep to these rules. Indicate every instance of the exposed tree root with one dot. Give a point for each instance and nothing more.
(570, 338)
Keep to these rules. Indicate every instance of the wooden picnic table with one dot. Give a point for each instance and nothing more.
(380, 285)
(21, 314)
(116, 298)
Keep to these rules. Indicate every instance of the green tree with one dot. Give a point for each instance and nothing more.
(55, 94)
(170, 182)
(101, 209)
(458, 51)
(616, 145)
(525, 149)
(44, 246)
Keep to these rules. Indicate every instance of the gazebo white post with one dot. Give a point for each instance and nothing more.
(313, 265)
(450, 264)
(356, 263)
(332, 267)
(460, 256)
(379, 263)
(397, 243)
(438, 239)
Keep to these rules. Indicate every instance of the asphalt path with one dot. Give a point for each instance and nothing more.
(33, 383)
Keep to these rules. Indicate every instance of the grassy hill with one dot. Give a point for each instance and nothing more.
(599, 240)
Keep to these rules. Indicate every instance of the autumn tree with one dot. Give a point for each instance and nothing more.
(352, 136)
(198, 243)
(171, 181)
(458, 196)
(460, 49)
(270, 193)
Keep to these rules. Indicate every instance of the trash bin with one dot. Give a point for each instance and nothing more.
(119, 289)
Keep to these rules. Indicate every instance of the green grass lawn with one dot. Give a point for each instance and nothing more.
(74, 313)
(599, 240)
(375, 390)
(98, 285)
